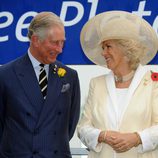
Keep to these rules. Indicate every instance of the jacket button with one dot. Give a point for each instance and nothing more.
(55, 151)
(35, 152)
(36, 131)
(28, 114)
(59, 113)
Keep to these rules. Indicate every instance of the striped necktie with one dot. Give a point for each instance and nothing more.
(43, 81)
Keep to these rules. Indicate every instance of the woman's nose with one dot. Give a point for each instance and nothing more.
(104, 52)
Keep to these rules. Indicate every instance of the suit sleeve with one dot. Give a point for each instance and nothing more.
(149, 136)
(2, 111)
(87, 133)
(75, 106)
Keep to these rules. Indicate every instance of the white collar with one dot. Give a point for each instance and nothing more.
(139, 74)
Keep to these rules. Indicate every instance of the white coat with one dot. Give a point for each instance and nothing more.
(140, 114)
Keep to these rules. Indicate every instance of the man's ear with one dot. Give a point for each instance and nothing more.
(35, 40)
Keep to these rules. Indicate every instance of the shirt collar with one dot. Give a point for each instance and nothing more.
(34, 61)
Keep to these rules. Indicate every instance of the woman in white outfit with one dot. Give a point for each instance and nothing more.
(120, 117)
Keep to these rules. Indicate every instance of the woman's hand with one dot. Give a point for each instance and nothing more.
(122, 142)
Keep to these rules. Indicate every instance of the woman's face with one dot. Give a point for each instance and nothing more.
(114, 56)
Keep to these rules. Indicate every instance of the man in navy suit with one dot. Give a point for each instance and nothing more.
(33, 125)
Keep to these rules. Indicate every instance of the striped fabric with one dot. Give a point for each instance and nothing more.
(43, 81)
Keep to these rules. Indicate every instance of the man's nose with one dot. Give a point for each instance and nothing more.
(59, 48)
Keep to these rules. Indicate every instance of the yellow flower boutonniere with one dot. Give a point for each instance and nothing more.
(61, 72)
(58, 70)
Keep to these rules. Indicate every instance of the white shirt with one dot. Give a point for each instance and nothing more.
(120, 95)
(36, 67)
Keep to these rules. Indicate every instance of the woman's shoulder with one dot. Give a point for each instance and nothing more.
(150, 78)
(100, 77)
(151, 75)
(99, 80)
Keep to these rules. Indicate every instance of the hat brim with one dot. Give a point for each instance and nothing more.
(117, 25)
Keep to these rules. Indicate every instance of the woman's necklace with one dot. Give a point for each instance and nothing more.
(124, 78)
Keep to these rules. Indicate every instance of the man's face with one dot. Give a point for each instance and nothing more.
(49, 48)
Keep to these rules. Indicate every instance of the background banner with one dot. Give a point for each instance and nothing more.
(16, 15)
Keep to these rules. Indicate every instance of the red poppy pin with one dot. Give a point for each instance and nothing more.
(154, 76)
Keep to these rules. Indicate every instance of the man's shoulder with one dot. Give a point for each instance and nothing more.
(8, 66)
(67, 68)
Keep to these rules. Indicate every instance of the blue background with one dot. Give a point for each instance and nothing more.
(72, 52)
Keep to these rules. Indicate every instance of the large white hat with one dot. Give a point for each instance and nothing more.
(117, 25)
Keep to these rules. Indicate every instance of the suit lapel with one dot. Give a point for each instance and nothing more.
(140, 72)
(100, 110)
(116, 120)
(112, 124)
(27, 78)
(54, 89)
(54, 84)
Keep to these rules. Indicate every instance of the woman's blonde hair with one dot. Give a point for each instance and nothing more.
(41, 23)
(133, 50)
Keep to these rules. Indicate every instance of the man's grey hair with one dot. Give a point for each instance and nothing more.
(41, 23)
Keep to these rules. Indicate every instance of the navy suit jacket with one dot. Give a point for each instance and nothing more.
(31, 127)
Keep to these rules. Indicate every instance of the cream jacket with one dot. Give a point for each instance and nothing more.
(140, 114)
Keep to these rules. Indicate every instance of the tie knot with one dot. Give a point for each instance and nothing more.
(41, 65)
